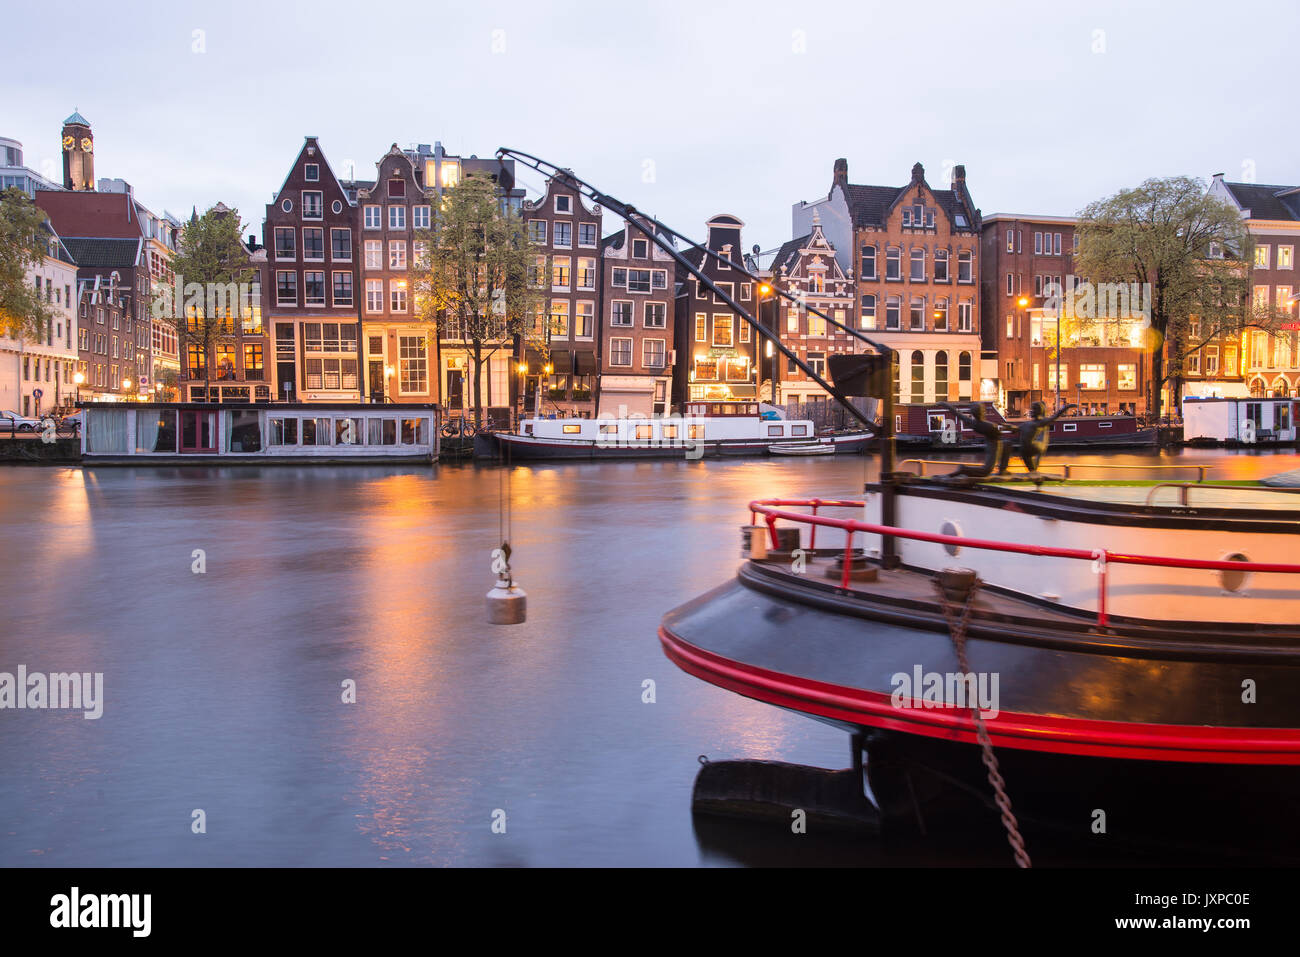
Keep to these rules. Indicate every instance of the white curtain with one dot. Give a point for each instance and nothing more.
(146, 431)
(106, 431)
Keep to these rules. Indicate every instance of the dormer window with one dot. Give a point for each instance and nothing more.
(960, 220)
(397, 188)
(311, 172)
(640, 248)
(564, 204)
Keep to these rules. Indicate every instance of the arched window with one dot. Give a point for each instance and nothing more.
(964, 382)
(868, 262)
(918, 377)
(941, 376)
(1281, 388)
(918, 265)
(1257, 388)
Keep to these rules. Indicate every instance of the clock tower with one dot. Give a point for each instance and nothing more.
(78, 153)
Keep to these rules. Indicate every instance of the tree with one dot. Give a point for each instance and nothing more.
(212, 271)
(1185, 250)
(472, 283)
(24, 243)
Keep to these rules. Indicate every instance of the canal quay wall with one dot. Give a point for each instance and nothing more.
(31, 450)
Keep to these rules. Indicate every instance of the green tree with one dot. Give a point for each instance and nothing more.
(472, 285)
(1184, 246)
(212, 269)
(24, 243)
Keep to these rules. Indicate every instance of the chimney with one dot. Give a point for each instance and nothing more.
(958, 177)
(918, 173)
(840, 174)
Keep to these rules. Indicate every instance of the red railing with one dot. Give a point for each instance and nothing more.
(771, 510)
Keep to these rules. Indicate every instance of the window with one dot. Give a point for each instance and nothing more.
(893, 263)
(965, 316)
(560, 273)
(381, 431)
(586, 274)
(893, 312)
(374, 295)
(313, 288)
(654, 353)
(374, 254)
(343, 289)
(311, 172)
(701, 327)
(620, 313)
(1211, 360)
(659, 280)
(537, 231)
(564, 204)
(312, 205)
(1285, 257)
(941, 265)
(868, 262)
(397, 295)
(1261, 297)
(286, 288)
(253, 369)
(396, 217)
(640, 248)
(559, 317)
(1051, 376)
(656, 315)
(723, 330)
(1127, 376)
(638, 280)
(583, 320)
(1011, 240)
(1284, 298)
(916, 313)
(284, 242)
(419, 253)
(620, 352)
(1038, 244)
(918, 265)
(586, 234)
(1261, 257)
(397, 188)
(918, 378)
(1092, 376)
(397, 254)
(1056, 244)
(965, 266)
(867, 320)
(372, 218)
(313, 243)
(413, 364)
(341, 245)
(420, 217)
(563, 235)
(941, 315)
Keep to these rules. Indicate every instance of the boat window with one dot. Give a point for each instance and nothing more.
(572, 429)
(798, 430)
(155, 431)
(415, 431)
(381, 431)
(643, 431)
(670, 431)
(528, 428)
(1230, 579)
(349, 432)
(611, 429)
(1104, 425)
(776, 430)
(1071, 427)
(937, 421)
(695, 431)
(245, 434)
(283, 431)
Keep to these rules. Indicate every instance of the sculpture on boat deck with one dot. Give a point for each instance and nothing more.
(995, 447)
(1033, 437)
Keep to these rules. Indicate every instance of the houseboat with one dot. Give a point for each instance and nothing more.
(934, 428)
(1127, 634)
(704, 430)
(194, 433)
(1214, 421)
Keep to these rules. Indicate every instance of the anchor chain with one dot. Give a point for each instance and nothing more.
(957, 630)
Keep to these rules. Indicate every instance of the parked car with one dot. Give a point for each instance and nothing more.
(71, 423)
(10, 419)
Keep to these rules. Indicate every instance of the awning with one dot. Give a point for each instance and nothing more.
(585, 363)
(561, 362)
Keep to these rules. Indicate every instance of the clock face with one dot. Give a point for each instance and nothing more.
(86, 144)
(67, 142)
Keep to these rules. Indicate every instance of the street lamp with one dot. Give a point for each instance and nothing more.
(388, 374)
(126, 389)
(78, 379)
(764, 291)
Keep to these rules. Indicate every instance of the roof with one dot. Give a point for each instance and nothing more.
(1266, 202)
(76, 118)
(91, 213)
(788, 254)
(93, 253)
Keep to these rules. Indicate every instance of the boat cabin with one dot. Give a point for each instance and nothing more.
(1240, 420)
(202, 433)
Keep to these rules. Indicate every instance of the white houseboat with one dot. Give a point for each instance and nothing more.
(1249, 421)
(201, 433)
(706, 429)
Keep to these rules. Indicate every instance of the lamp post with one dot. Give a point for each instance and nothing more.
(764, 293)
(78, 379)
(388, 375)
(126, 388)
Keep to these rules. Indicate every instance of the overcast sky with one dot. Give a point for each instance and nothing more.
(685, 109)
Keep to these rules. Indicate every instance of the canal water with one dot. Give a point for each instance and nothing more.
(223, 690)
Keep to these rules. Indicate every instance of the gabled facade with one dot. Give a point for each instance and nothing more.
(400, 350)
(808, 269)
(310, 287)
(1266, 364)
(565, 236)
(913, 251)
(36, 375)
(638, 324)
(716, 348)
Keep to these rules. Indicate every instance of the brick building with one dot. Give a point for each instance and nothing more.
(716, 349)
(1258, 363)
(1027, 264)
(913, 253)
(807, 268)
(310, 287)
(638, 317)
(565, 235)
(36, 373)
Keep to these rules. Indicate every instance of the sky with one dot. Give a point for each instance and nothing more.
(684, 109)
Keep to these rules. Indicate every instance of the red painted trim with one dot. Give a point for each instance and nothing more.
(1030, 732)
